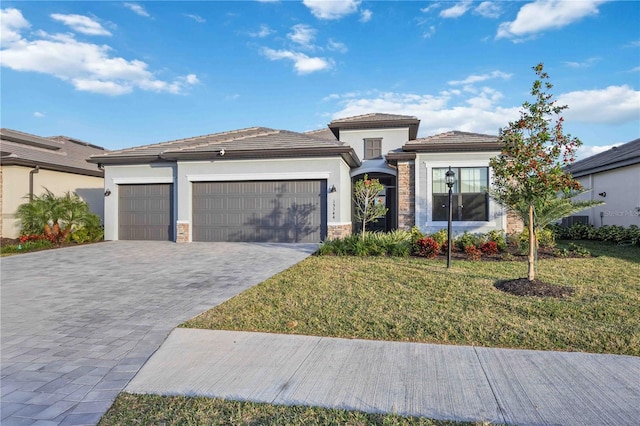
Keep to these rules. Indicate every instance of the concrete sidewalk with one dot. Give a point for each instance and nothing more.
(437, 381)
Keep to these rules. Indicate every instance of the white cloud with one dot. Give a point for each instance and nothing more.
(199, 19)
(11, 23)
(584, 64)
(478, 78)
(81, 24)
(337, 46)
(137, 9)
(365, 15)
(323, 9)
(302, 35)
(488, 9)
(431, 7)
(431, 31)
(547, 14)
(457, 10)
(38, 114)
(613, 105)
(301, 62)
(585, 151)
(438, 113)
(263, 32)
(88, 67)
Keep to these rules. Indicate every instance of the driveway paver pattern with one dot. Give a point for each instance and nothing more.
(78, 323)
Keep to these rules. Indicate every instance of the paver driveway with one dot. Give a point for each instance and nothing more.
(78, 323)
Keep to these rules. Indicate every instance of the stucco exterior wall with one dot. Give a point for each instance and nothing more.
(392, 139)
(425, 162)
(15, 191)
(622, 200)
(332, 169)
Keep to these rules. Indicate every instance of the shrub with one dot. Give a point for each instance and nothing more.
(468, 239)
(545, 237)
(579, 250)
(499, 238)
(427, 247)
(489, 248)
(473, 252)
(440, 237)
(416, 234)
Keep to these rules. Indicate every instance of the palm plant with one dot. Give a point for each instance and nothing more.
(55, 217)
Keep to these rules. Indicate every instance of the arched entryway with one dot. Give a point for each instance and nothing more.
(389, 222)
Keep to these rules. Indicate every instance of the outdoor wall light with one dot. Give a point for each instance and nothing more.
(332, 189)
(107, 192)
(450, 180)
(222, 152)
(603, 194)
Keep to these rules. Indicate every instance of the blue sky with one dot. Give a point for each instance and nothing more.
(121, 74)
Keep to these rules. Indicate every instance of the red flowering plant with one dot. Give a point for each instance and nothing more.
(473, 252)
(489, 248)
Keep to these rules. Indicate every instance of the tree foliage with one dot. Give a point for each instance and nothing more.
(365, 197)
(550, 210)
(530, 168)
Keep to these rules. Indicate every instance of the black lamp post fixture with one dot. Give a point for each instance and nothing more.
(450, 180)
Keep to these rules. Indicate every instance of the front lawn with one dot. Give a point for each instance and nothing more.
(178, 410)
(419, 300)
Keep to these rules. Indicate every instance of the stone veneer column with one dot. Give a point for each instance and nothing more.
(338, 231)
(514, 223)
(406, 194)
(182, 231)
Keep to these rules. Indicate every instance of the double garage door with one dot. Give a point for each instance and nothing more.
(256, 211)
(262, 211)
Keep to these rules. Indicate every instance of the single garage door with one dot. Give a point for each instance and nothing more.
(261, 211)
(145, 212)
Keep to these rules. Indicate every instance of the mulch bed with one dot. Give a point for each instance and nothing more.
(524, 287)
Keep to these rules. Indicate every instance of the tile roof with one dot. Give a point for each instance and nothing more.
(455, 141)
(619, 156)
(254, 141)
(368, 118)
(325, 133)
(54, 153)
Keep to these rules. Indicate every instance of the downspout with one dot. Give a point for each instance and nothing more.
(31, 173)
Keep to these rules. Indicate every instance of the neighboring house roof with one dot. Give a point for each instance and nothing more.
(59, 153)
(254, 142)
(376, 120)
(325, 133)
(454, 141)
(618, 156)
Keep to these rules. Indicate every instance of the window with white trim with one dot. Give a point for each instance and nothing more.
(469, 201)
(372, 148)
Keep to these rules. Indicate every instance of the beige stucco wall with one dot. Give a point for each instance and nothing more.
(622, 200)
(425, 162)
(15, 191)
(392, 139)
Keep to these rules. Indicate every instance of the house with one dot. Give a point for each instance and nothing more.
(30, 163)
(261, 184)
(613, 177)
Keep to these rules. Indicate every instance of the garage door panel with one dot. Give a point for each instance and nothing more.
(145, 212)
(266, 211)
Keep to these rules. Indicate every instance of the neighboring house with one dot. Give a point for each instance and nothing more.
(613, 177)
(29, 164)
(261, 184)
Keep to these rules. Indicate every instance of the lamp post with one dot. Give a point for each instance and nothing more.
(450, 180)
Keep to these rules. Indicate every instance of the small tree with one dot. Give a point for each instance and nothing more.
(530, 168)
(365, 197)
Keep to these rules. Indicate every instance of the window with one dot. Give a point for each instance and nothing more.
(372, 148)
(469, 202)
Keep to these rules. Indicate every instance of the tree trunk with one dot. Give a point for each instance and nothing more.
(532, 246)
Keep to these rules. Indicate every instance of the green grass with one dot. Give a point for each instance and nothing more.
(418, 300)
(26, 247)
(131, 409)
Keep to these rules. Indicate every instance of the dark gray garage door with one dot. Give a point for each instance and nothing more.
(263, 211)
(145, 212)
